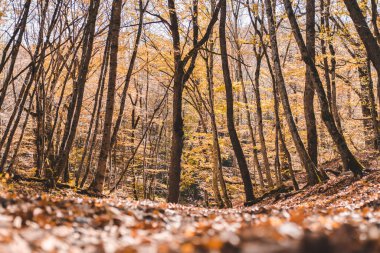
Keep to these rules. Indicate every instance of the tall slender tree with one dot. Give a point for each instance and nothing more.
(243, 166)
(308, 99)
(74, 110)
(113, 34)
(181, 75)
(349, 160)
(313, 175)
(20, 30)
(365, 34)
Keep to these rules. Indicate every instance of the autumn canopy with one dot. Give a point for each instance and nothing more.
(189, 126)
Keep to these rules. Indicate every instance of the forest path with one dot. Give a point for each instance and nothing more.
(342, 215)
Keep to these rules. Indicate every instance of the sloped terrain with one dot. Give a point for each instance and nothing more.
(342, 215)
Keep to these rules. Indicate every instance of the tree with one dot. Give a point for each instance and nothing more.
(74, 109)
(366, 94)
(114, 31)
(308, 101)
(243, 166)
(365, 34)
(20, 29)
(181, 75)
(313, 175)
(142, 9)
(348, 159)
(218, 177)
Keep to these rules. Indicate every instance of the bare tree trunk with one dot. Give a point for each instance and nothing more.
(313, 175)
(368, 106)
(10, 169)
(74, 110)
(374, 16)
(364, 32)
(179, 78)
(348, 159)
(253, 139)
(285, 155)
(374, 112)
(128, 77)
(248, 188)
(334, 104)
(134, 123)
(217, 157)
(326, 67)
(366, 93)
(260, 125)
(114, 30)
(8, 146)
(95, 133)
(369, 41)
(308, 99)
(14, 51)
(331, 81)
(33, 74)
(96, 108)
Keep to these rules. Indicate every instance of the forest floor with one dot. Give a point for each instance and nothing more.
(342, 215)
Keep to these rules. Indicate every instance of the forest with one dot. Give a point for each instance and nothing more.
(190, 126)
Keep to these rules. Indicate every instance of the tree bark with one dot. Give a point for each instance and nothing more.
(368, 106)
(181, 75)
(313, 175)
(248, 188)
(129, 73)
(14, 51)
(365, 34)
(308, 99)
(326, 68)
(253, 139)
(114, 30)
(374, 16)
(348, 159)
(74, 110)
(260, 123)
(217, 157)
(177, 134)
(95, 111)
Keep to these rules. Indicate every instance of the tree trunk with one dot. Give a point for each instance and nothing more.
(217, 157)
(334, 104)
(313, 174)
(326, 70)
(374, 112)
(253, 139)
(14, 51)
(77, 99)
(129, 74)
(179, 78)
(369, 41)
(364, 32)
(348, 159)
(308, 99)
(374, 16)
(260, 124)
(370, 123)
(95, 111)
(248, 188)
(114, 30)
(331, 80)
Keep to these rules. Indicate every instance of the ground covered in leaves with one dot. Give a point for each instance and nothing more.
(342, 215)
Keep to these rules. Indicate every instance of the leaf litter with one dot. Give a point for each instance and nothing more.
(341, 215)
